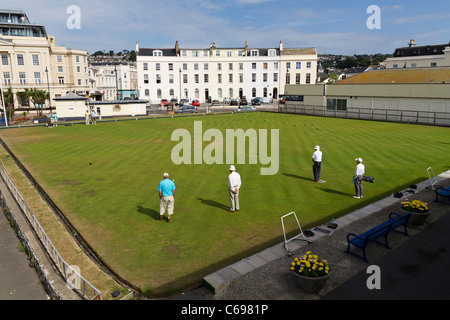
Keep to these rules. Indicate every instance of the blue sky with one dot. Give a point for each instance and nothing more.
(337, 27)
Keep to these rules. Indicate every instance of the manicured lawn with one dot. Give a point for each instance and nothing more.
(104, 178)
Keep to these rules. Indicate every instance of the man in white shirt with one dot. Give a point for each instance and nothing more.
(358, 178)
(317, 162)
(234, 184)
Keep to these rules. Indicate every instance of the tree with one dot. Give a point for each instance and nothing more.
(8, 95)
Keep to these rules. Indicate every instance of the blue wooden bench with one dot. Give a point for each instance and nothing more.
(381, 231)
(440, 191)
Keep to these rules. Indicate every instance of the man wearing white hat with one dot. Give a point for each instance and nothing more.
(358, 178)
(317, 162)
(234, 184)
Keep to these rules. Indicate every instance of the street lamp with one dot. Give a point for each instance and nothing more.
(48, 86)
(117, 85)
(179, 80)
(3, 104)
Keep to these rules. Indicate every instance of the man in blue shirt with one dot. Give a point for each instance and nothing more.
(166, 191)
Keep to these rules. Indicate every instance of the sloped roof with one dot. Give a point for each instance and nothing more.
(71, 96)
(410, 75)
(421, 51)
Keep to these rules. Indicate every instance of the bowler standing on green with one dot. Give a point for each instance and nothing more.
(166, 191)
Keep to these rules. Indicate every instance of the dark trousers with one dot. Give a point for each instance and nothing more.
(316, 170)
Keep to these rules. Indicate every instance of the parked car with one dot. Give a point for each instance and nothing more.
(195, 103)
(174, 101)
(183, 102)
(257, 101)
(233, 102)
(187, 109)
(226, 100)
(243, 102)
(215, 103)
(245, 108)
(164, 102)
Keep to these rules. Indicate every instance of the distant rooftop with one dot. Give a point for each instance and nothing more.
(414, 50)
(16, 23)
(399, 76)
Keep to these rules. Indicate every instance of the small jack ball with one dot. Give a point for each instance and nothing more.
(90, 163)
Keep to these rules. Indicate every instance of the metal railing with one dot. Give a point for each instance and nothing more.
(390, 115)
(72, 277)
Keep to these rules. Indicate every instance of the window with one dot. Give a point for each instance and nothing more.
(78, 69)
(206, 78)
(171, 93)
(61, 80)
(308, 78)
(219, 66)
(20, 60)
(395, 66)
(60, 69)
(288, 65)
(77, 59)
(219, 93)
(413, 65)
(145, 78)
(308, 65)
(230, 66)
(170, 78)
(275, 65)
(170, 66)
(230, 92)
(196, 94)
(275, 77)
(35, 58)
(58, 58)
(264, 77)
(79, 82)
(37, 78)
(241, 78)
(157, 53)
(230, 78)
(219, 78)
(196, 78)
(229, 53)
(241, 66)
(265, 92)
(433, 64)
(159, 94)
(158, 67)
(288, 78)
(253, 77)
(145, 66)
(297, 78)
(184, 66)
(298, 65)
(185, 78)
(206, 67)
(253, 92)
(22, 78)
(272, 53)
(254, 66)
(217, 53)
(7, 78)
(5, 61)
(240, 53)
(265, 65)
(158, 78)
(254, 53)
(147, 92)
(196, 66)
(337, 104)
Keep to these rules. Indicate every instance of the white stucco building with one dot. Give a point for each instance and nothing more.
(216, 73)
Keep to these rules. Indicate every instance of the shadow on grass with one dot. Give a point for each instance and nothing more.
(297, 177)
(336, 192)
(213, 203)
(150, 212)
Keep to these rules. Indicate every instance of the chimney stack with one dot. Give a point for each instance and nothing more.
(412, 43)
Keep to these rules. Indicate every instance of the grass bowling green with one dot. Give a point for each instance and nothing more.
(104, 178)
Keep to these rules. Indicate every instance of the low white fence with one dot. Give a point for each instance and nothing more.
(406, 116)
(72, 277)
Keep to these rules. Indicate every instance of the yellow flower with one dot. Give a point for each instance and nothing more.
(293, 263)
